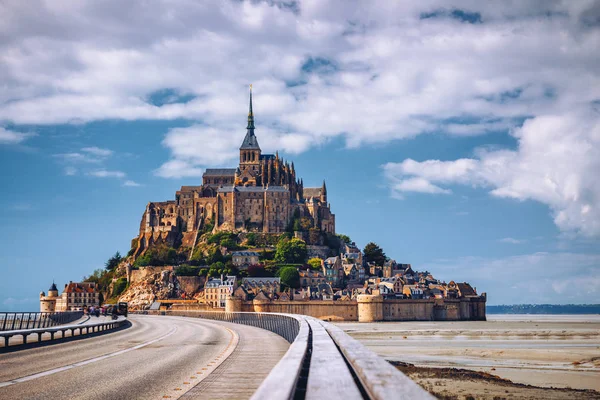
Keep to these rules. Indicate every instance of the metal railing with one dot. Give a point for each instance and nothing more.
(285, 326)
(74, 330)
(10, 321)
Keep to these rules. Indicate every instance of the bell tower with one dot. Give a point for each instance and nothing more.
(250, 150)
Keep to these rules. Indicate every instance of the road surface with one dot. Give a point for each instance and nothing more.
(157, 357)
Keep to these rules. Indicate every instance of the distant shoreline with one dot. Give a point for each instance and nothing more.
(544, 309)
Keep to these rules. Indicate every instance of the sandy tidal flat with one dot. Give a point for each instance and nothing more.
(540, 350)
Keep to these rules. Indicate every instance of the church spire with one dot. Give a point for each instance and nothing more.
(250, 142)
(250, 113)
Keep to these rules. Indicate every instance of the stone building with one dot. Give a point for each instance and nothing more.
(261, 194)
(244, 259)
(48, 303)
(76, 296)
(217, 290)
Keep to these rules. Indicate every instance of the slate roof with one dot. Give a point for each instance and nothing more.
(245, 253)
(219, 172)
(311, 192)
(250, 142)
(259, 281)
(250, 189)
(466, 289)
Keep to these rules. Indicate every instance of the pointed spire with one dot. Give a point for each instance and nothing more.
(324, 188)
(250, 141)
(250, 113)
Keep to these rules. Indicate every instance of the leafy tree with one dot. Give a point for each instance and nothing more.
(289, 277)
(344, 238)
(229, 244)
(291, 251)
(315, 263)
(214, 256)
(251, 239)
(373, 253)
(113, 262)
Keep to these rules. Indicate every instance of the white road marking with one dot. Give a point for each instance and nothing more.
(85, 362)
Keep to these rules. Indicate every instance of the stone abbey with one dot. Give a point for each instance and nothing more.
(262, 194)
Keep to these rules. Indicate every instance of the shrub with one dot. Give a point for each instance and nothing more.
(187, 270)
(119, 287)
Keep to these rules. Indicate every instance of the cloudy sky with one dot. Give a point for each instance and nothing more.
(463, 137)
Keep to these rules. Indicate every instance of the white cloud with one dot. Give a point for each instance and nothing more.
(178, 169)
(103, 173)
(75, 158)
(556, 278)
(419, 185)
(511, 240)
(556, 163)
(11, 137)
(131, 183)
(10, 301)
(379, 71)
(373, 72)
(97, 151)
(70, 171)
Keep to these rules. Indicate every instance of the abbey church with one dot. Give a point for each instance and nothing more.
(262, 194)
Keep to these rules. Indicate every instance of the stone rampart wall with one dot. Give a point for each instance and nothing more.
(369, 308)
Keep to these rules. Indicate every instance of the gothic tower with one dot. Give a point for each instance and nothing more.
(250, 150)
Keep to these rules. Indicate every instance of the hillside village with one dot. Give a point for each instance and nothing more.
(255, 233)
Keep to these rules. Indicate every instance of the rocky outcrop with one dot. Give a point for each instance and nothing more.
(149, 284)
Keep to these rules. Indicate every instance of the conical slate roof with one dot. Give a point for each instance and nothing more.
(53, 287)
(250, 142)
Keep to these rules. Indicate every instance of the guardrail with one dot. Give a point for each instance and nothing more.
(321, 362)
(29, 320)
(63, 329)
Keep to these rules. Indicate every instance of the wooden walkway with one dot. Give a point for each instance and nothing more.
(239, 376)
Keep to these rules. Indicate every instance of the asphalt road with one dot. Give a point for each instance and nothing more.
(156, 358)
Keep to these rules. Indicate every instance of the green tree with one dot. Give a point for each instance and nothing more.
(344, 238)
(214, 256)
(315, 263)
(292, 251)
(289, 277)
(251, 239)
(373, 253)
(113, 262)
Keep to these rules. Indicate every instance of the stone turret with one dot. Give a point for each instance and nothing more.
(370, 308)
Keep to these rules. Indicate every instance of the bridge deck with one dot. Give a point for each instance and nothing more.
(238, 377)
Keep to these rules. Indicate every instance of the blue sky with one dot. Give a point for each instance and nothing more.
(463, 140)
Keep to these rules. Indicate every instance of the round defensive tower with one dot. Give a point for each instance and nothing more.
(233, 304)
(370, 308)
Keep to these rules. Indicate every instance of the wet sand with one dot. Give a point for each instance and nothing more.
(541, 350)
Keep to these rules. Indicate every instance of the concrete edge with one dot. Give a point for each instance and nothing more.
(381, 379)
(278, 385)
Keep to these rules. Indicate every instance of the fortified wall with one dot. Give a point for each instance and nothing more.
(368, 308)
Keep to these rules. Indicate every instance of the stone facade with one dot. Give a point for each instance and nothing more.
(76, 296)
(262, 194)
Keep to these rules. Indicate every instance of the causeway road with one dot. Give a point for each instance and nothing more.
(158, 357)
